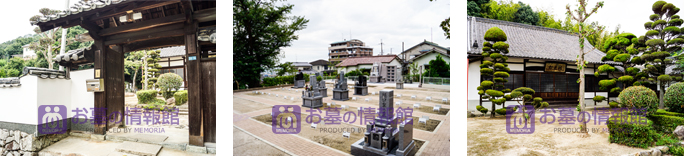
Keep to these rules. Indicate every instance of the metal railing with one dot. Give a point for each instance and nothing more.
(436, 80)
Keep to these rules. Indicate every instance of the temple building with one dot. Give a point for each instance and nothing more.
(533, 51)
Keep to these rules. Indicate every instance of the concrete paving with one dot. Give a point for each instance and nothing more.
(139, 148)
(87, 147)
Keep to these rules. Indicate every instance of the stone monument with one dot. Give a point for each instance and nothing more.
(299, 80)
(322, 87)
(340, 92)
(375, 75)
(399, 80)
(379, 138)
(360, 87)
(311, 97)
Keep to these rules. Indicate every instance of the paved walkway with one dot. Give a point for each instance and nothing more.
(437, 142)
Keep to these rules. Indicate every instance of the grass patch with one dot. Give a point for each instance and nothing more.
(429, 109)
(430, 125)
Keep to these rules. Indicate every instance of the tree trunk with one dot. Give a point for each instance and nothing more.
(661, 94)
(49, 59)
(145, 73)
(581, 95)
(135, 74)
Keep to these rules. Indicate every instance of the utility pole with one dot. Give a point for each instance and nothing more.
(381, 46)
(64, 38)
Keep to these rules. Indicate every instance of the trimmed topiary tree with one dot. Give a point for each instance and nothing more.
(495, 70)
(639, 97)
(623, 48)
(674, 98)
(664, 37)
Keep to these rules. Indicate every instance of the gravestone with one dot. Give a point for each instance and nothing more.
(322, 87)
(311, 97)
(299, 80)
(376, 73)
(380, 136)
(400, 81)
(340, 92)
(360, 87)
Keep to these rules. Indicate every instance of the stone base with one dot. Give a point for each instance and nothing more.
(375, 79)
(341, 95)
(324, 92)
(361, 90)
(299, 84)
(312, 102)
(399, 86)
(358, 149)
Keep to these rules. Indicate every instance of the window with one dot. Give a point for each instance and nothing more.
(514, 81)
(533, 81)
(572, 85)
(560, 83)
(177, 71)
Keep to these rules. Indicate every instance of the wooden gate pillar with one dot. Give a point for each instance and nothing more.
(195, 103)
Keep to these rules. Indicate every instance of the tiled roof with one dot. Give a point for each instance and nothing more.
(172, 51)
(429, 43)
(319, 62)
(528, 41)
(301, 64)
(353, 61)
(79, 7)
(426, 53)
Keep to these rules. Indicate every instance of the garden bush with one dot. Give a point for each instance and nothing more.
(673, 98)
(665, 121)
(146, 96)
(631, 130)
(676, 150)
(181, 97)
(501, 111)
(639, 97)
(482, 109)
(169, 83)
(613, 104)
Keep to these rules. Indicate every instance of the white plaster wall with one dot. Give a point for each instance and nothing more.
(473, 80)
(516, 67)
(176, 63)
(19, 104)
(80, 97)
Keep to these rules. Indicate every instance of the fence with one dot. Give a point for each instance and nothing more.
(436, 80)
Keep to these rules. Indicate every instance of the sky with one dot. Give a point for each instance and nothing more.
(392, 21)
(629, 14)
(17, 18)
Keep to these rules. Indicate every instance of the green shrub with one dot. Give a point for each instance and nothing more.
(598, 98)
(667, 113)
(613, 104)
(676, 150)
(181, 97)
(631, 130)
(673, 98)
(495, 34)
(665, 123)
(482, 109)
(169, 83)
(639, 97)
(146, 96)
(501, 111)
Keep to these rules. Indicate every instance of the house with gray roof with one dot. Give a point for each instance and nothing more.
(173, 61)
(539, 58)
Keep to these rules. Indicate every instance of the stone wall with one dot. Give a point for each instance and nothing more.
(17, 143)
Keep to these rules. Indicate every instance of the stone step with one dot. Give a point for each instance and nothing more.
(141, 149)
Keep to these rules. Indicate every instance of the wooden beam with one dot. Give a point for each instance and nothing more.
(205, 15)
(92, 28)
(136, 8)
(143, 25)
(154, 43)
(195, 105)
(167, 31)
(61, 21)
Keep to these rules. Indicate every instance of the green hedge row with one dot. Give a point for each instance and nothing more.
(631, 130)
(665, 121)
(146, 96)
(181, 97)
(273, 81)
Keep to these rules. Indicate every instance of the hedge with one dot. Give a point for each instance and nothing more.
(181, 97)
(665, 121)
(626, 130)
(146, 96)
(676, 150)
(273, 81)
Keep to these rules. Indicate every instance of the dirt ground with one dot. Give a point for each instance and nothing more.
(245, 144)
(488, 136)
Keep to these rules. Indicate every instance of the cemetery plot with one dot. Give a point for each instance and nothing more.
(430, 125)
